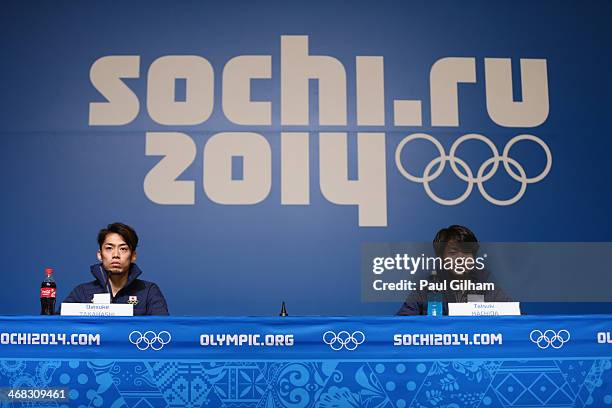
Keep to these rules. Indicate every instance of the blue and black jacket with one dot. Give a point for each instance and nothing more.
(145, 296)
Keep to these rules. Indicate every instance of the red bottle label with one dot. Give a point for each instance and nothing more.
(47, 293)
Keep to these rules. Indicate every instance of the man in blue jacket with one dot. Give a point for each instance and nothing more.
(117, 274)
(455, 241)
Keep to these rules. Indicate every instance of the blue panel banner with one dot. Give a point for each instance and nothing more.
(307, 362)
(305, 337)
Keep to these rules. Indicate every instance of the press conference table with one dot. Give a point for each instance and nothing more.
(524, 361)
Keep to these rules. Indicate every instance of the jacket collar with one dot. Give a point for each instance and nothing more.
(101, 274)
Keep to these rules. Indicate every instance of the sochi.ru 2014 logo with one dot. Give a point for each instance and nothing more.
(344, 339)
(168, 182)
(150, 339)
(549, 338)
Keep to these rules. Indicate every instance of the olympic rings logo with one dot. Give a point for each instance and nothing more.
(549, 338)
(150, 339)
(344, 339)
(467, 174)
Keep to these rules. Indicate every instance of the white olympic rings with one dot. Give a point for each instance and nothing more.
(549, 338)
(150, 339)
(343, 339)
(465, 173)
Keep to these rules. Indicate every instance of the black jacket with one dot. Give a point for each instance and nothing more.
(149, 299)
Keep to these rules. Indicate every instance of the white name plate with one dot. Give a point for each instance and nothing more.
(91, 309)
(484, 309)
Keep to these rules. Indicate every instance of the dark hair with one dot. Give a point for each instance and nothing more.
(127, 233)
(455, 233)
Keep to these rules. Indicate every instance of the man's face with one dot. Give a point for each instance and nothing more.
(459, 252)
(115, 254)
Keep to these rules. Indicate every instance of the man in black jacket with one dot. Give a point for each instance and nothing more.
(455, 242)
(117, 274)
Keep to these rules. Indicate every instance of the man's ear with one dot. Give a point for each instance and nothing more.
(133, 259)
(99, 255)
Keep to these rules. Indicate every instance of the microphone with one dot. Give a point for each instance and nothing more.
(283, 312)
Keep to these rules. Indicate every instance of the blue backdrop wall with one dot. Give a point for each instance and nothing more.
(85, 140)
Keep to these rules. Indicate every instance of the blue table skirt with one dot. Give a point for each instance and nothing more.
(526, 361)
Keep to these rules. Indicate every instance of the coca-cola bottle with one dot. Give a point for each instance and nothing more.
(47, 293)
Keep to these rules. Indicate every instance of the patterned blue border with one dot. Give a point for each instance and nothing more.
(321, 384)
